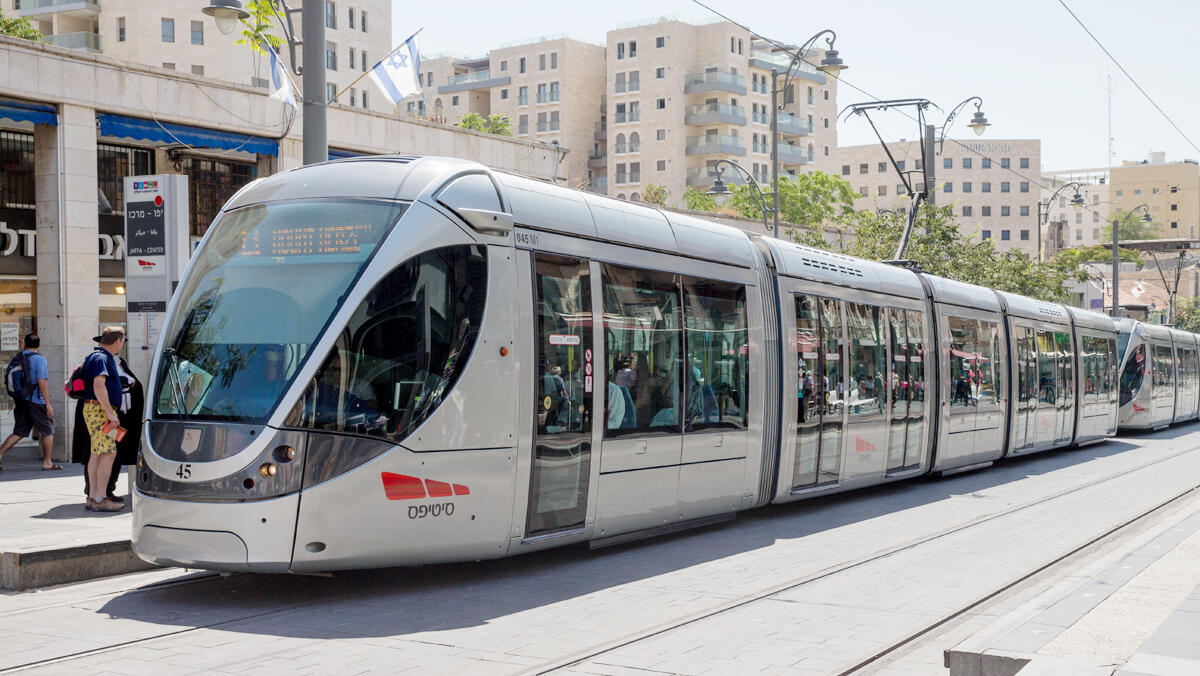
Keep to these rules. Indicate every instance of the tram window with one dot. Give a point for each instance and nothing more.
(1110, 368)
(868, 360)
(989, 372)
(403, 348)
(1066, 374)
(965, 361)
(717, 343)
(1164, 367)
(898, 379)
(642, 340)
(261, 290)
(1133, 374)
(916, 354)
(1047, 366)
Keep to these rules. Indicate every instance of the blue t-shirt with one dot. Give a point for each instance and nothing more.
(38, 370)
(100, 362)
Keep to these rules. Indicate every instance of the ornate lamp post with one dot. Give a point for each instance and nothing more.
(1044, 210)
(721, 194)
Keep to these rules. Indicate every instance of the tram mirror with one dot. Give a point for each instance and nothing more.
(487, 221)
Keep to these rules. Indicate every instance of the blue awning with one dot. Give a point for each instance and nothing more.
(335, 154)
(121, 126)
(22, 111)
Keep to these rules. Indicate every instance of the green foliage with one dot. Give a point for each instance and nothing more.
(940, 247)
(257, 27)
(813, 199)
(697, 200)
(1187, 314)
(1096, 254)
(1132, 227)
(656, 194)
(20, 27)
(500, 125)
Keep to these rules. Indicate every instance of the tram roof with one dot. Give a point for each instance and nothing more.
(804, 262)
(1092, 320)
(1032, 308)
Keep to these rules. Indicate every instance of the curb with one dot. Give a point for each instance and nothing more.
(22, 571)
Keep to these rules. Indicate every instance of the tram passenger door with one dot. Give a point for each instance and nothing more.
(562, 454)
(819, 414)
(1047, 392)
(906, 389)
(1025, 410)
(988, 387)
(866, 398)
(1066, 386)
(962, 358)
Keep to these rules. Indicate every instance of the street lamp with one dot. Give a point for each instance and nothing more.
(227, 13)
(721, 194)
(1116, 263)
(929, 134)
(832, 65)
(1044, 210)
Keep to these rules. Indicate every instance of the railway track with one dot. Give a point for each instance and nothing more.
(600, 649)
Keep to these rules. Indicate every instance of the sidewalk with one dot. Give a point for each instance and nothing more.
(1133, 613)
(46, 536)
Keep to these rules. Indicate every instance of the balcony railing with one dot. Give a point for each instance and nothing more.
(623, 148)
(703, 177)
(601, 132)
(790, 154)
(553, 125)
(599, 185)
(631, 116)
(523, 100)
(88, 41)
(714, 81)
(554, 95)
(715, 143)
(543, 97)
(621, 178)
(49, 6)
(473, 76)
(597, 161)
(523, 129)
(623, 87)
(476, 79)
(635, 177)
(712, 113)
(790, 124)
(542, 126)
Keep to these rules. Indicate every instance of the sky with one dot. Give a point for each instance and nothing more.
(1037, 71)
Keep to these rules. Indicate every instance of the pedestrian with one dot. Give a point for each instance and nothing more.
(130, 414)
(31, 405)
(102, 393)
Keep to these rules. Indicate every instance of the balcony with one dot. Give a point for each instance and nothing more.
(703, 177)
(599, 185)
(477, 79)
(631, 178)
(773, 60)
(790, 154)
(790, 124)
(82, 8)
(597, 161)
(601, 132)
(627, 87)
(523, 100)
(624, 148)
(631, 116)
(716, 81)
(523, 129)
(553, 125)
(85, 41)
(714, 113)
(716, 144)
(543, 126)
(550, 97)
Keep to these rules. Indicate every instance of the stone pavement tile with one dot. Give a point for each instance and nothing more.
(1178, 636)
(1160, 665)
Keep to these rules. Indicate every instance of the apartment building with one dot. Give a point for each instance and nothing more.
(1069, 226)
(682, 96)
(176, 35)
(993, 185)
(550, 87)
(1170, 189)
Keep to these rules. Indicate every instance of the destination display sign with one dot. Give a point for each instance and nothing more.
(309, 240)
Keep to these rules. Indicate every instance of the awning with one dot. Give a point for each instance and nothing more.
(121, 126)
(335, 154)
(21, 111)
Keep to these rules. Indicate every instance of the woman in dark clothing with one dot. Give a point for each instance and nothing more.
(129, 412)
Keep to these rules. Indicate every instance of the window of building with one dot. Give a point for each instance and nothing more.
(845, 170)
(1137, 191)
(1078, 218)
(503, 94)
(985, 163)
(948, 186)
(987, 234)
(660, 165)
(966, 163)
(882, 191)
(826, 151)
(661, 134)
(350, 18)
(660, 104)
(739, 46)
(1025, 210)
(167, 65)
(863, 191)
(900, 165)
(987, 186)
(660, 73)
(1024, 162)
(985, 211)
(197, 70)
(732, 44)
(364, 99)
(900, 189)
(1005, 163)
(1024, 235)
(1174, 224)
(330, 15)
(1095, 216)
(197, 32)
(353, 97)
(555, 93)
(363, 23)
(1174, 207)
(454, 100)
(523, 124)
(331, 56)
(882, 167)
(352, 66)
(862, 168)
(632, 48)
(620, 50)
(1004, 235)
(553, 60)
(1024, 186)
(554, 121)
(330, 91)
(966, 186)
(1005, 211)
(947, 163)
(168, 30)
(827, 123)
(1120, 193)
(660, 42)
(541, 62)
(826, 92)
(1004, 186)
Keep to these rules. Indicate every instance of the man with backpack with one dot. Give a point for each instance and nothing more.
(25, 380)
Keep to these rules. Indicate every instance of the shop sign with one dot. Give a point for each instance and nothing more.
(18, 243)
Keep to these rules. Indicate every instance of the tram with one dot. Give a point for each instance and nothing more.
(398, 360)
(1171, 393)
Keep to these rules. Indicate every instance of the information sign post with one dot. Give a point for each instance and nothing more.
(157, 250)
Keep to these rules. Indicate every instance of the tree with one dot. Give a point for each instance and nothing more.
(500, 125)
(1097, 254)
(256, 29)
(1132, 228)
(697, 200)
(473, 121)
(656, 194)
(20, 27)
(1187, 314)
(813, 199)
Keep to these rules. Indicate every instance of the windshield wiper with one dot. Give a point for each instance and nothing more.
(177, 389)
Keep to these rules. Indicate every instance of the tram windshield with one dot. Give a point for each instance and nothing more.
(1133, 374)
(260, 292)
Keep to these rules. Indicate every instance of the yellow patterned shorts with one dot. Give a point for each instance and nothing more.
(93, 415)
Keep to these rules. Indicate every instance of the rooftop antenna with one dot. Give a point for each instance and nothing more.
(1109, 160)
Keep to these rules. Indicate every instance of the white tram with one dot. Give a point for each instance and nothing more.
(1160, 376)
(388, 361)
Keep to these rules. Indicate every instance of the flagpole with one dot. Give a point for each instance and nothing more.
(368, 72)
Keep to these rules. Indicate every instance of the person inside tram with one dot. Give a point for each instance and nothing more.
(335, 404)
(615, 407)
(554, 391)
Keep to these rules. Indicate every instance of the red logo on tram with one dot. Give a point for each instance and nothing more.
(404, 487)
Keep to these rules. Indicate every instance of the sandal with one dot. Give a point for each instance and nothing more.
(90, 505)
(107, 505)
(52, 467)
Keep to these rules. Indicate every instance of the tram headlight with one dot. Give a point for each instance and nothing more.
(285, 453)
(267, 469)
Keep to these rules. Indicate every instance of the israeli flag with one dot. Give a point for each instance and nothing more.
(281, 86)
(399, 73)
